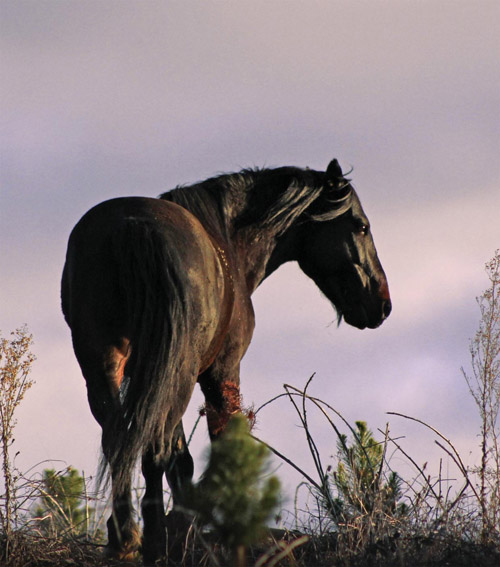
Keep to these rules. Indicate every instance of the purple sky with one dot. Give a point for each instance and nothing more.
(103, 99)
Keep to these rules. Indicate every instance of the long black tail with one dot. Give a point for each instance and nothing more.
(150, 283)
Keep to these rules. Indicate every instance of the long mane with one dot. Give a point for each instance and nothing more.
(270, 199)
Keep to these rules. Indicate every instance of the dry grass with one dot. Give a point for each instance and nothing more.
(28, 549)
(433, 549)
(439, 525)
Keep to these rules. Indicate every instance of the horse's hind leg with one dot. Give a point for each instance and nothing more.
(153, 511)
(178, 468)
(103, 369)
(123, 533)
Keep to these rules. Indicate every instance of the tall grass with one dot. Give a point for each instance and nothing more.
(360, 511)
(426, 521)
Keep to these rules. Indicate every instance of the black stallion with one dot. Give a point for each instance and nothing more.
(157, 293)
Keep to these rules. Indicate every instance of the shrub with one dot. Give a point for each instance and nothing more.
(234, 498)
(15, 366)
(484, 385)
(63, 506)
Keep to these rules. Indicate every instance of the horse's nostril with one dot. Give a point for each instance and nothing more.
(387, 307)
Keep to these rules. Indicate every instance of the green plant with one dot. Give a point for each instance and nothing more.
(361, 488)
(357, 505)
(63, 506)
(234, 498)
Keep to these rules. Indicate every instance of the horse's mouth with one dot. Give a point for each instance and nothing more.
(360, 319)
(360, 310)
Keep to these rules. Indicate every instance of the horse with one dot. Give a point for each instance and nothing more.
(157, 294)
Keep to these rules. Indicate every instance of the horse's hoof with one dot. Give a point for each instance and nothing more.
(128, 554)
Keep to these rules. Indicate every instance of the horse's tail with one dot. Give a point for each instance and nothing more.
(150, 287)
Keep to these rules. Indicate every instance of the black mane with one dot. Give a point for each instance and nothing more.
(262, 198)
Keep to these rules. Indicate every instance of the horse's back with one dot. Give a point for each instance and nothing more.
(103, 220)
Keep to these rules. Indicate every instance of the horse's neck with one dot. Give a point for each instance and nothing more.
(254, 248)
(258, 253)
(257, 248)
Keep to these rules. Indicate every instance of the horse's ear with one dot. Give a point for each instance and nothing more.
(334, 171)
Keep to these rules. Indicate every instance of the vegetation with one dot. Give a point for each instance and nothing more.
(62, 506)
(354, 512)
(358, 479)
(15, 367)
(233, 498)
(484, 385)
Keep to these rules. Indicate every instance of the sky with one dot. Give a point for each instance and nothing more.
(115, 98)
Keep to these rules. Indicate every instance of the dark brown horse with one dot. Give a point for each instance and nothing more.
(157, 295)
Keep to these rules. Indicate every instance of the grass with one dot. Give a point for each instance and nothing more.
(428, 524)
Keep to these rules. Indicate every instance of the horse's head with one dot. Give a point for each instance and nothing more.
(337, 251)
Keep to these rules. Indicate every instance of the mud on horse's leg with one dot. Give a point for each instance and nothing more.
(223, 400)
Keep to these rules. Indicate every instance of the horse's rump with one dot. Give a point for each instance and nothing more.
(137, 270)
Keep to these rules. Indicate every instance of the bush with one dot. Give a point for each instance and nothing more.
(63, 506)
(233, 498)
(484, 385)
(15, 367)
